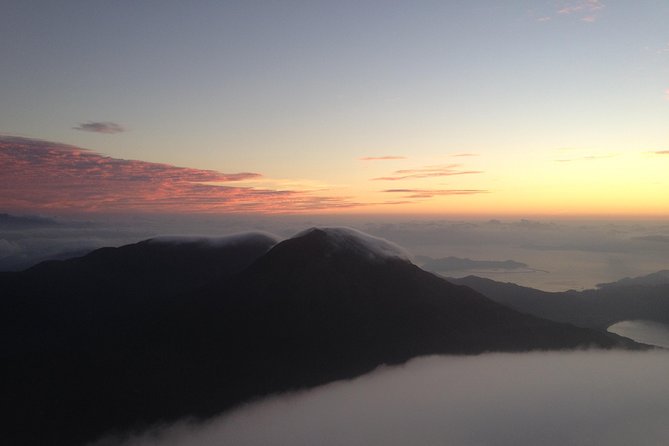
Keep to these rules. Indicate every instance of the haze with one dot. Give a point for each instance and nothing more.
(559, 254)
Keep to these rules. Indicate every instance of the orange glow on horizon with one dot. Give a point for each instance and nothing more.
(39, 175)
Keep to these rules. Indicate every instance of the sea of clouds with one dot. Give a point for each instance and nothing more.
(608, 398)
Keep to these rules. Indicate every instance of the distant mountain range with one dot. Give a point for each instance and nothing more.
(658, 278)
(126, 337)
(8, 221)
(645, 297)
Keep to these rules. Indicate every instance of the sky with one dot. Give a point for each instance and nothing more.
(458, 108)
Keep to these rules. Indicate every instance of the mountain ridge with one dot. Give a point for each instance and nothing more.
(594, 308)
(306, 311)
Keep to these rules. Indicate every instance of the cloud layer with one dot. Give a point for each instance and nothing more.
(549, 399)
(40, 175)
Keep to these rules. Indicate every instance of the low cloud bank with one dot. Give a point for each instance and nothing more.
(459, 264)
(574, 398)
(647, 332)
(572, 255)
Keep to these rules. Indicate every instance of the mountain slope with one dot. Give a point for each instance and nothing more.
(596, 308)
(656, 278)
(324, 305)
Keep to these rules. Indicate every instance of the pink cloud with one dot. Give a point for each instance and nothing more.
(40, 175)
(661, 152)
(427, 172)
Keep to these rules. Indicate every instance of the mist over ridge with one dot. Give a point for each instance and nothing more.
(583, 253)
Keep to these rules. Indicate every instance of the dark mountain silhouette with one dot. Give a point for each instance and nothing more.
(20, 261)
(596, 308)
(127, 337)
(8, 221)
(657, 278)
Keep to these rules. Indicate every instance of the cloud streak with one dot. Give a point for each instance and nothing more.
(427, 172)
(429, 193)
(100, 127)
(40, 175)
(382, 158)
(588, 9)
(583, 10)
(584, 158)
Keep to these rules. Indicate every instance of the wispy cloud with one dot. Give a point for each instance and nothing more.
(40, 175)
(100, 127)
(465, 154)
(429, 193)
(584, 158)
(666, 94)
(427, 172)
(587, 9)
(583, 10)
(661, 152)
(382, 158)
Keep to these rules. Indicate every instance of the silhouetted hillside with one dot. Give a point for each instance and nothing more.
(126, 337)
(596, 308)
(657, 278)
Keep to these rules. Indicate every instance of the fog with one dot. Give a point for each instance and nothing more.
(557, 398)
(344, 238)
(647, 332)
(559, 254)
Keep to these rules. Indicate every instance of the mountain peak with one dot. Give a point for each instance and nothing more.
(335, 240)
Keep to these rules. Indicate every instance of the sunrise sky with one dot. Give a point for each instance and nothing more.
(537, 107)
